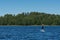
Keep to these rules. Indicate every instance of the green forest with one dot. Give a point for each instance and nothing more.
(30, 18)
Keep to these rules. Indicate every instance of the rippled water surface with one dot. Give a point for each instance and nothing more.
(29, 33)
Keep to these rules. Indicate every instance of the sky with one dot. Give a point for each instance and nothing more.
(19, 6)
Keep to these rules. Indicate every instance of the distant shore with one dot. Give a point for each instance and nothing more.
(29, 25)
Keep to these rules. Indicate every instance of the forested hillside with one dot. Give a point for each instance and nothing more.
(30, 18)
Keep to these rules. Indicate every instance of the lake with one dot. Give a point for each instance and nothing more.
(29, 33)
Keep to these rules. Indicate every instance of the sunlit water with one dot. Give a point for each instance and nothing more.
(29, 33)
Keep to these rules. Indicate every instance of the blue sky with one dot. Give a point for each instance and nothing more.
(18, 6)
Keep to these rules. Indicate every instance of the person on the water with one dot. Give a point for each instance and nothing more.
(42, 26)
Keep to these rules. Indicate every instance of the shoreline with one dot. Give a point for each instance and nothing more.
(29, 25)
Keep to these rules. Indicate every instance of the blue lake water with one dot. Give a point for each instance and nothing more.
(29, 33)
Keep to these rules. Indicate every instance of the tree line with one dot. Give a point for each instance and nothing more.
(30, 18)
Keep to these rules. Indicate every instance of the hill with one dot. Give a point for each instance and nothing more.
(30, 18)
